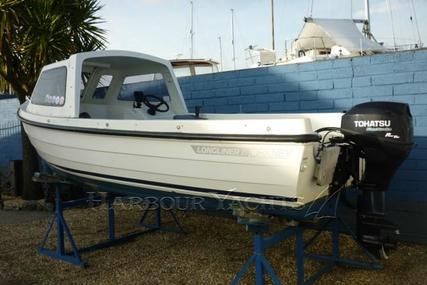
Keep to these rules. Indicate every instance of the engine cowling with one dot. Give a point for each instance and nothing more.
(381, 133)
(384, 134)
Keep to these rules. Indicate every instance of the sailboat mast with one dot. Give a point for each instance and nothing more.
(232, 39)
(272, 25)
(220, 52)
(192, 31)
(368, 19)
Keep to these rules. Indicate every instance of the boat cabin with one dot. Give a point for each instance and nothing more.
(104, 86)
(101, 85)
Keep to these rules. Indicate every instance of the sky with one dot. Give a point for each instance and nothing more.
(162, 27)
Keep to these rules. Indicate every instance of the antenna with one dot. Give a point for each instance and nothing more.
(232, 39)
(192, 31)
(272, 24)
(220, 52)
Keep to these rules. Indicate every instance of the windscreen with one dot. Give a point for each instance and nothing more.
(149, 84)
(50, 88)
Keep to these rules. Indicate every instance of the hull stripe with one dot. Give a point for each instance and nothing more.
(180, 187)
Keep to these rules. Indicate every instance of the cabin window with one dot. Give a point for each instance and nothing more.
(204, 69)
(182, 71)
(50, 88)
(102, 87)
(150, 84)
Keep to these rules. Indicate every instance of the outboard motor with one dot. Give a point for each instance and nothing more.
(382, 137)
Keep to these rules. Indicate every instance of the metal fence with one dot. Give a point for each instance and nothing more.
(10, 142)
(8, 129)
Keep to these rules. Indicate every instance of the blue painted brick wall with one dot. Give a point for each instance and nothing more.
(324, 86)
(329, 86)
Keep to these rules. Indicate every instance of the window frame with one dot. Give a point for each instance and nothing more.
(65, 88)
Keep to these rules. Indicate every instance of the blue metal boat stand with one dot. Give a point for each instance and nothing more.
(1, 203)
(64, 233)
(157, 225)
(261, 242)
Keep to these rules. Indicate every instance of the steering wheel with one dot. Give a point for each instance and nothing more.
(140, 97)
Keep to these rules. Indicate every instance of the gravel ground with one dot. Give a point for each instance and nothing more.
(211, 253)
(17, 217)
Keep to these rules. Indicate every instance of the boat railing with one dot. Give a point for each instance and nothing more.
(402, 47)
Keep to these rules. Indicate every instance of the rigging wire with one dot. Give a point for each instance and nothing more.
(392, 24)
(414, 38)
(416, 23)
(311, 9)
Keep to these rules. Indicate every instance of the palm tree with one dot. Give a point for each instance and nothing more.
(34, 33)
(4, 86)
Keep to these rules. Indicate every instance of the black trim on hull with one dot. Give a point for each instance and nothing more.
(180, 187)
(302, 138)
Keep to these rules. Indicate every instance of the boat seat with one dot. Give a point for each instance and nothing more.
(84, 115)
(187, 117)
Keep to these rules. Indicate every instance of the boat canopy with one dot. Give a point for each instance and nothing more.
(326, 33)
(98, 83)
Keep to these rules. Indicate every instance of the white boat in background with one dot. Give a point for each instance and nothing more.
(192, 67)
(330, 38)
(153, 143)
(322, 39)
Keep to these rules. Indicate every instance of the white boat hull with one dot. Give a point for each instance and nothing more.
(261, 172)
(154, 143)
